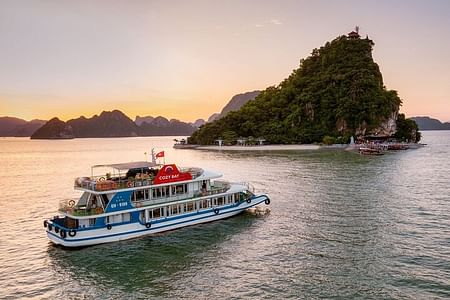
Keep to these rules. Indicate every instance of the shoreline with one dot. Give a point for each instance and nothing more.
(266, 147)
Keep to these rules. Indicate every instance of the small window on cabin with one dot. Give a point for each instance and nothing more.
(220, 201)
(138, 195)
(205, 204)
(190, 206)
(175, 209)
(92, 222)
(156, 213)
(180, 189)
(126, 217)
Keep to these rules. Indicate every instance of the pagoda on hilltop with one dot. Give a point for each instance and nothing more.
(354, 34)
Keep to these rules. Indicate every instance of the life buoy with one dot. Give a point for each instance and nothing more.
(109, 227)
(72, 233)
(56, 229)
(98, 210)
(148, 225)
(129, 184)
(216, 211)
(267, 202)
(45, 223)
(101, 179)
(71, 203)
(63, 233)
(249, 200)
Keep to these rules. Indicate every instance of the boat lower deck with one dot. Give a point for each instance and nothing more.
(70, 237)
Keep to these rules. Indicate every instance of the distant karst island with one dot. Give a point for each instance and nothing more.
(113, 124)
(336, 93)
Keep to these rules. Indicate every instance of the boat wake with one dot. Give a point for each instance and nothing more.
(258, 210)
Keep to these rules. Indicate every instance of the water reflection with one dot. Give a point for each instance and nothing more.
(147, 264)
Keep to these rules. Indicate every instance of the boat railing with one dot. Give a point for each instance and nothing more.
(70, 206)
(195, 172)
(104, 183)
(100, 183)
(248, 185)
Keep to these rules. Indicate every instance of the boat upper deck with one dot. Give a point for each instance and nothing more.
(137, 174)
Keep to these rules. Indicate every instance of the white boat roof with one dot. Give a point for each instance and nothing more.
(128, 165)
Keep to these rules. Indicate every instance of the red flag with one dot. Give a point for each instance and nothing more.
(160, 154)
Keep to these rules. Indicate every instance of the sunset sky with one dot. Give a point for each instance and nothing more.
(186, 59)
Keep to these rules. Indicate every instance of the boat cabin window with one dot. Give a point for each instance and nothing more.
(236, 197)
(179, 189)
(175, 209)
(156, 213)
(95, 201)
(84, 199)
(204, 204)
(190, 206)
(119, 218)
(140, 195)
(160, 192)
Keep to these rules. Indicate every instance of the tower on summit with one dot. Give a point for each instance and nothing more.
(354, 34)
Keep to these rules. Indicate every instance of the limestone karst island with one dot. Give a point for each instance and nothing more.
(336, 93)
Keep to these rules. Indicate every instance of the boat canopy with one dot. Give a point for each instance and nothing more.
(128, 165)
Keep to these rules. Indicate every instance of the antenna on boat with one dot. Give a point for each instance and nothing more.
(153, 156)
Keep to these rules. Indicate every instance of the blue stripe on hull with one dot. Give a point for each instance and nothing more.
(74, 242)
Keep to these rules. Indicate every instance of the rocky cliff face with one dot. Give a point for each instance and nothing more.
(235, 103)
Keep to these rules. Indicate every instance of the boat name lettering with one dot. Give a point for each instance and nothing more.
(167, 177)
(119, 204)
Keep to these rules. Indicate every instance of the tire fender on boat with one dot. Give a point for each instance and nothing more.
(63, 233)
(216, 211)
(109, 227)
(72, 232)
(148, 225)
(267, 201)
(45, 223)
(249, 200)
(56, 229)
(50, 227)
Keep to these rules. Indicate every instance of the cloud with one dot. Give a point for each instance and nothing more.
(276, 22)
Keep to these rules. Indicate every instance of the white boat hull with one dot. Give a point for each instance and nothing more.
(134, 230)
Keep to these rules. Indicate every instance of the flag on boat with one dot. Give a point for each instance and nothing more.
(160, 154)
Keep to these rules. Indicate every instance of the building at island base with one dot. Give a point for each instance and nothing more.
(145, 199)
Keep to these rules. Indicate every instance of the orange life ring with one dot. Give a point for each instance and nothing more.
(129, 184)
(71, 203)
(98, 210)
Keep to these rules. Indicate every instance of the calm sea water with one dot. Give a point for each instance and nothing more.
(341, 226)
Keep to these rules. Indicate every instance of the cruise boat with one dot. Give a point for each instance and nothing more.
(143, 198)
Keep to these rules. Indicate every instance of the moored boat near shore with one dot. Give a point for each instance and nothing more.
(142, 198)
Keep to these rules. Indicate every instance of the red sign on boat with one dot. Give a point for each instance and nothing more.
(170, 173)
